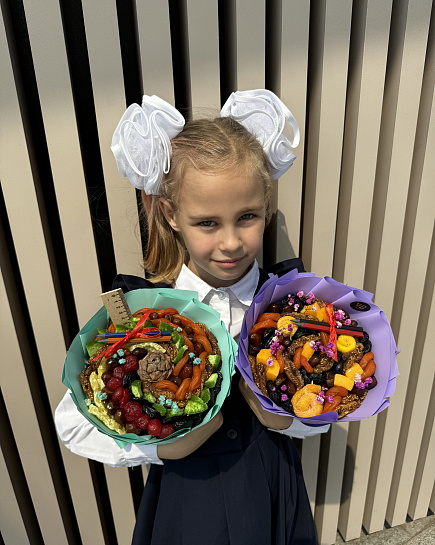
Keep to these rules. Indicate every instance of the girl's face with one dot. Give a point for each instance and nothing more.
(221, 218)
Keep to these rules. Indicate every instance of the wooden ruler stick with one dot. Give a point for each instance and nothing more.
(117, 306)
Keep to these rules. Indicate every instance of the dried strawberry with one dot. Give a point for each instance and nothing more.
(131, 364)
(167, 429)
(142, 421)
(118, 393)
(114, 383)
(154, 427)
(119, 371)
(124, 399)
(132, 410)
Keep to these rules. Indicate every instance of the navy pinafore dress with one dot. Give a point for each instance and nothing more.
(243, 486)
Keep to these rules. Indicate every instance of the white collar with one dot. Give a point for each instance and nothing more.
(244, 289)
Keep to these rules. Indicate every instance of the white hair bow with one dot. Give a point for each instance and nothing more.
(265, 116)
(141, 142)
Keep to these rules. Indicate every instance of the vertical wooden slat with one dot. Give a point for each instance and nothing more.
(250, 44)
(12, 527)
(155, 46)
(227, 16)
(295, 27)
(81, 85)
(272, 77)
(17, 476)
(367, 61)
(180, 56)
(330, 108)
(204, 58)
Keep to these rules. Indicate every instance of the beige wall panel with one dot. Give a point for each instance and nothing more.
(334, 78)
(356, 475)
(404, 134)
(155, 48)
(26, 431)
(250, 44)
(42, 307)
(295, 27)
(425, 472)
(310, 465)
(12, 529)
(107, 82)
(367, 137)
(51, 67)
(331, 468)
(404, 137)
(410, 439)
(432, 501)
(204, 57)
(18, 189)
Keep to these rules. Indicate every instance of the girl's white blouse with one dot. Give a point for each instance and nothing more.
(82, 438)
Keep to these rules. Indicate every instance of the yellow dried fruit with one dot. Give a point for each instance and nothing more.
(283, 325)
(345, 343)
(341, 380)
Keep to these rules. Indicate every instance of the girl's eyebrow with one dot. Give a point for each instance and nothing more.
(240, 213)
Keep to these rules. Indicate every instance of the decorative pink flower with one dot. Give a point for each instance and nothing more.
(347, 322)
(300, 293)
(329, 399)
(284, 397)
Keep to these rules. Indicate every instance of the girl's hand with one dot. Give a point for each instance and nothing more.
(270, 420)
(189, 443)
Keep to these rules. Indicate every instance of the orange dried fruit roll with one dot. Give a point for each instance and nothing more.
(305, 402)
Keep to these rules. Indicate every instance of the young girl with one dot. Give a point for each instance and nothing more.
(233, 480)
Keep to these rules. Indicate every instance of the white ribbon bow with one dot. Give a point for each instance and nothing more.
(265, 116)
(141, 142)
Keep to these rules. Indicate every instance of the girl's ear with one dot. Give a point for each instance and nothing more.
(169, 213)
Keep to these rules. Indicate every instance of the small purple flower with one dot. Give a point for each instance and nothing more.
(330, 346)
(308, 301)
(269, 362)
(320, 397)
(284, 397)
(283, 387)
(339, 315)
(329, 399)
(311, 295)
(291, 301)
(314, 307)
(296, 307)
(280, 347)
(338, 325)
(300, 293)
(290, 327)
(347, 322)
(360, 385)
(368, 380)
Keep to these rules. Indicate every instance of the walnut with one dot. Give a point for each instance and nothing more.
(155, 366)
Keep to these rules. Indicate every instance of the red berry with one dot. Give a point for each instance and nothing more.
(114, 383)
(117, 394)
(167, 429)
(124, 399)
(131, 364)
(142, 421)
(154, 427)
(132, 410)
(119, 371)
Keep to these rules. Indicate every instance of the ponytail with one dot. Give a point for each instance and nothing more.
(165, 252)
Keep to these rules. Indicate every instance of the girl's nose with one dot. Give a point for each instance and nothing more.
(230, 240)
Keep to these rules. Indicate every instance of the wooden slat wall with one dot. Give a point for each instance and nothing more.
(359, 204)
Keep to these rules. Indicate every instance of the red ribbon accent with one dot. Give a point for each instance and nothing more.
(329, 309)
(129, 335)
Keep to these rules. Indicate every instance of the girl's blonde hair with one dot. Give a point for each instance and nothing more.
(210, 146)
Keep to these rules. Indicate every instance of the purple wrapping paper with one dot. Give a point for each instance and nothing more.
(373, 321)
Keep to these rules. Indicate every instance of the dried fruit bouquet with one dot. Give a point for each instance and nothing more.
(308, 348)
(167, 371)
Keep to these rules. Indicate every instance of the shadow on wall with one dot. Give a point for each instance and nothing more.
(285, 250)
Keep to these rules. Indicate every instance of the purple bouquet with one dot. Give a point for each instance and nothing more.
(358, 304)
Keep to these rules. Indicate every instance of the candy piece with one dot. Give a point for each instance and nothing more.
(287, 326)
(345, 343)
(341, 380)
(352, 371)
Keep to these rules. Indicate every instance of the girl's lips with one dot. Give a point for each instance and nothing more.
(231, 263)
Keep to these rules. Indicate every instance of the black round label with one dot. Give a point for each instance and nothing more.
(360, 306)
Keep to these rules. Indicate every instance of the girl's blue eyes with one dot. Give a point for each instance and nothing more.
(211, 223)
